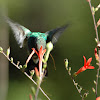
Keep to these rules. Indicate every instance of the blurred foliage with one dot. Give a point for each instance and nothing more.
(77, 40)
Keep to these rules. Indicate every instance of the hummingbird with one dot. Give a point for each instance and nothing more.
(34, 39)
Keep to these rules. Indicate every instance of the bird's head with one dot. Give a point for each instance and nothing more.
(40, 42)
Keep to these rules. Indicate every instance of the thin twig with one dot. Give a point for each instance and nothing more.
(97, 82)
(94, 20)
(82, 98)
(97, 75)
(74, 83)
(39, 81)
(26, 75)
(78, 87)
(37, 92)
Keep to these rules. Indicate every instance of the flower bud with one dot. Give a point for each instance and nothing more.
(32, 72)
(11, 60)
(96, 9)
(85, 95)
(80, 90)
(25, 66)
(93, 90)
(69, 69)
(1, 49)
(8, 52)
(20, 66)
(45, 65)
(49, 46)
(93, 10)
(96, 40)
(95, 82)
(66, 63)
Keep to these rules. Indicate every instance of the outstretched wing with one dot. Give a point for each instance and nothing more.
(19, 31)
(53, 35)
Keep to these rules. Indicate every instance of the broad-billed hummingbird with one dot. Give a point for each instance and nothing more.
(34, 39)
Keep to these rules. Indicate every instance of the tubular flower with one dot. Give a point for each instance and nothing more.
(40, 55)
(30, 56)
(37, 72)
(86, 66)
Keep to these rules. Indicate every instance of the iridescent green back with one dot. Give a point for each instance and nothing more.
(37, 35)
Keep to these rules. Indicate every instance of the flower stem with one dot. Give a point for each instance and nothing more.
(97, 75)
(37, 91)
(74, 82)
(82, 98)
(38, 85)
(78, 87)
(98, 47)
(97, 82)
(26, 75)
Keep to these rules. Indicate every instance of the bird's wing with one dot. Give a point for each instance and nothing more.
(19, 31)
(54, 34)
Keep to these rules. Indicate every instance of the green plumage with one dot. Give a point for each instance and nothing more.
(34, 39)
(37, 35)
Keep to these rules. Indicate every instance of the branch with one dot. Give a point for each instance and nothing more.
(38, 86)
(98, 44)
(11, 60)
(96, 92)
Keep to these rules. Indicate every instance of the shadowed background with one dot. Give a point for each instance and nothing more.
(76, 41)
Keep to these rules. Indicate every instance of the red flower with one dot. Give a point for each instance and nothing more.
(98, 98)
(86, 65)
(37, 72)
(40, 55)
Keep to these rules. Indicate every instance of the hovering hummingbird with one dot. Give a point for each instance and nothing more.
(34, 39)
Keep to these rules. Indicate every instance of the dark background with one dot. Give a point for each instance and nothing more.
(77, 40)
